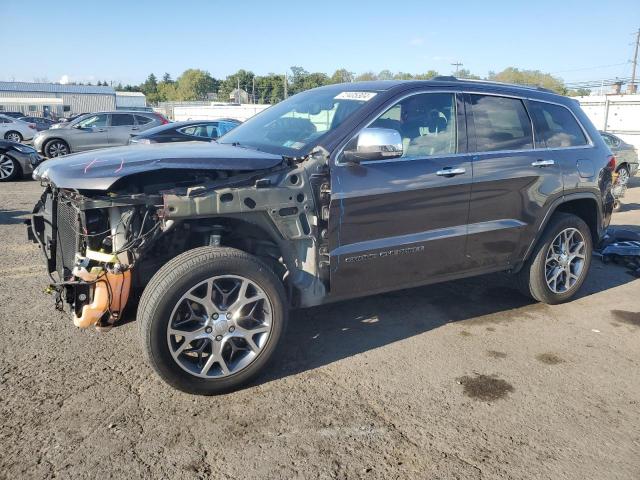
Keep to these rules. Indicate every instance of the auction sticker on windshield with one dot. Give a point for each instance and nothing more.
(362, 96)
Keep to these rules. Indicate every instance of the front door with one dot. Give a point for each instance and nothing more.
(90, 133)
(403, 222)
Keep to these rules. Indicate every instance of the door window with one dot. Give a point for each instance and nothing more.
(500, 124)
(122, 120)
(142, 120)
(556, 126)
(93, 121)
(426, 122)
(202, 131)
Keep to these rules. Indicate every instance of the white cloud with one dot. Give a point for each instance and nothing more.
(64, 79)
(416, 41)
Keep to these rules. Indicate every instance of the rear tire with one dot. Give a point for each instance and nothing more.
(207, 294)
(623, 172)
(555, 270)
(13, 136)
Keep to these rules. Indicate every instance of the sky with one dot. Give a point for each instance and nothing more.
(124, 41)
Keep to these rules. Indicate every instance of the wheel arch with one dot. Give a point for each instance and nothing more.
(48, 141)
(584, 205)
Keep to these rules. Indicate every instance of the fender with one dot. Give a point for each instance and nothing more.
(553, 207)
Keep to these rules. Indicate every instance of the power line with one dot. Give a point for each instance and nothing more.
(591, 68)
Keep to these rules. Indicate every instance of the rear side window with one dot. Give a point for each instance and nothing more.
(203, 131)
(500, 124)
(121, 119)
(556, 126)
(143, 120)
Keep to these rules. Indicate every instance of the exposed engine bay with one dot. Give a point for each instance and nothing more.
(103, 247)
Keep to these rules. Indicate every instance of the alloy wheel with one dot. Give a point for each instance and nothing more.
(7, 167)
(220, 326)
(14, 137)
(623, 176)
(565, 260)
(57, 149)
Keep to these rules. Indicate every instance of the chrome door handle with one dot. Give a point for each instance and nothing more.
(543, 163)
(450, 172)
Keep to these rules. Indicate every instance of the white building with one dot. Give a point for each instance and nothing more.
(213, 111)
(130, 101)
(616, 114)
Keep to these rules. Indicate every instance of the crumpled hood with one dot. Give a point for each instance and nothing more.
(100, 169)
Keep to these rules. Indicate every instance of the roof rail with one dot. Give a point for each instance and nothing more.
(445, 78)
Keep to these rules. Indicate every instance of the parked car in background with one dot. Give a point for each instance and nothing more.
(187, 131)
(95, 130)
(626, 156)
(12, 114)
(41, 123)
(16, 160)
(16, 130)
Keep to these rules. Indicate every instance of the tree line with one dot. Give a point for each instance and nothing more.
(196, 84)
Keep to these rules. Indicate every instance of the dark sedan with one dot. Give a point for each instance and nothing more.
(16, 160)
(188, 131)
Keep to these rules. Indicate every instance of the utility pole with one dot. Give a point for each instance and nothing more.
(632, 85)
(458, 64)
(253, 89)
(285, 86)
(238, 92)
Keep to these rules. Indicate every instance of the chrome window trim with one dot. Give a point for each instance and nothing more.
(391, 103)
(584, 131)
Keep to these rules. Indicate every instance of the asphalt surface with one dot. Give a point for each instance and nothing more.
(466, 380)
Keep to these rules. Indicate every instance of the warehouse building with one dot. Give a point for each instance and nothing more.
(57, 100)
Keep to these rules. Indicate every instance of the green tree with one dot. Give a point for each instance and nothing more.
(366, 76)
(530, 77)
(385, 75)
(194, 84)
(426, 76)
(166, 78)
(341, 75)
(242, 77)
(579, 92)
(464, 73)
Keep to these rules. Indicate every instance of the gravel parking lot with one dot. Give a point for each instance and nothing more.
(462, 380)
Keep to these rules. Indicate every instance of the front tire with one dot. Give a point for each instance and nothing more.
(211, 319)
(56, 148)
(558, 265)
(13, 136)
(9, 168)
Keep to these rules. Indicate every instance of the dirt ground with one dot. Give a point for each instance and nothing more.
(463, 380)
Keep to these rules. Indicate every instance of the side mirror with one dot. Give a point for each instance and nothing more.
(374, 144)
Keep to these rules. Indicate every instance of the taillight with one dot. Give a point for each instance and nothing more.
(162, 118)
(32, 125)
(611, 164)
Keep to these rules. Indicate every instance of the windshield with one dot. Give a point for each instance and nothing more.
(293, 127)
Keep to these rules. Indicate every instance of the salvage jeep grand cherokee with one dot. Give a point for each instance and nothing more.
(338, 192)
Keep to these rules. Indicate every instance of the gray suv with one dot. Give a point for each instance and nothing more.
(95, 130)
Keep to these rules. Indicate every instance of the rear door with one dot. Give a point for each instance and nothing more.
(123, 125)
(403, 222)
(512, 181)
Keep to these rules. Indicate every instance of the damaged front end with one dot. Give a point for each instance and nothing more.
(91, 246)
(103, 246)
